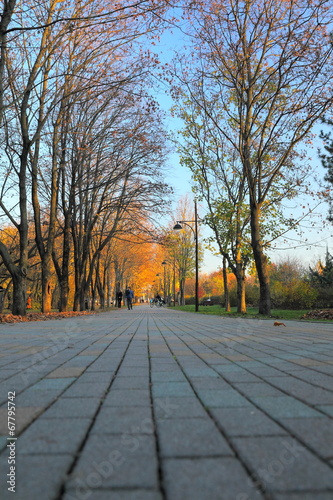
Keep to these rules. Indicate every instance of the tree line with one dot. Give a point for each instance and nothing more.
(253, 82)
(292, 285)
(83, 144)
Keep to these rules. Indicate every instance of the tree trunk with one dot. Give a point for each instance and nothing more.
(20, 277)
(101, 291)
(18, 273)
(19, 295)
(63, 277)
(63, 270)
(46, 292)
(3, 295)
(182, 292)
(240, 277)
(226, 286)
(93, 298)
(76, 302)
(64, 289)
(261, 263)
(78, 288)
(241, 293)
(83, 295)
(46, 283)
(64, 280)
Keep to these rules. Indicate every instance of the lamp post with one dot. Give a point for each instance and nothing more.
(178, 227)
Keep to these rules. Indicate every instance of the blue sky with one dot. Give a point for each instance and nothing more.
(308, 247)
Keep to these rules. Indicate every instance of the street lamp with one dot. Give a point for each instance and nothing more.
(178, 227)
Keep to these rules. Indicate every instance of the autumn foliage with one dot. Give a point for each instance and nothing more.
(83, 143)
(10, 318)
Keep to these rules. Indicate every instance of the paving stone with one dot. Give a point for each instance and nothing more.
(7, 373)
(234, 374)
(135, 371)
(248, 421)
(113, 461)
(21, 381)
(326, 369)
(214, 358)
(175, 389)
(285, 407)
(73, 408)
(266, 371)
(209, 383)
(130, 382)
(53, 384)
(66, 372)
(91, 351)
(316, 433)
(103, 366)
(283, 464)
(127, 397)
(38, 477)
(165, 367)
(89, 376)
(245, 376)
(115, 494)
(162, 376)
(328, 409)
(259, 389)
(53, 436)
(207, 478)
(87, 389)
(136, 363)
(314, 495)
(191, 437)
(80, 361)
(222, 399)
(42, 398)
(319, 379)
(120, 420)
(302, 390)
(175, 407)
(200, 371)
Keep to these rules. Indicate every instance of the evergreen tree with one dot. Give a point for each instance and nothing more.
(327, 162)
(323, 275)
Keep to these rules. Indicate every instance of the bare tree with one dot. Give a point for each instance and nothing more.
(34, 71)
(268, 65)
(182, 246)
(220, 182)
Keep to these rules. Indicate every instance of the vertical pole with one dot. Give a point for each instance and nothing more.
(174, 281)
(196, 258)
(164, 291)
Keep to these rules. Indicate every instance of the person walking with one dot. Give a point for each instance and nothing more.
(129, 297)
(119, 298)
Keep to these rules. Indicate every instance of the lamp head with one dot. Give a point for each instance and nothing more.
(177, 227)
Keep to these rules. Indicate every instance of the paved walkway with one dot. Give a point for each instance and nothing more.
(154, 404)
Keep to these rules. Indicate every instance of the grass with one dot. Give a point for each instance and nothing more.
(252, 312)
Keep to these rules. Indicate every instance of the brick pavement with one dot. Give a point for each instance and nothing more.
(154, 404)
